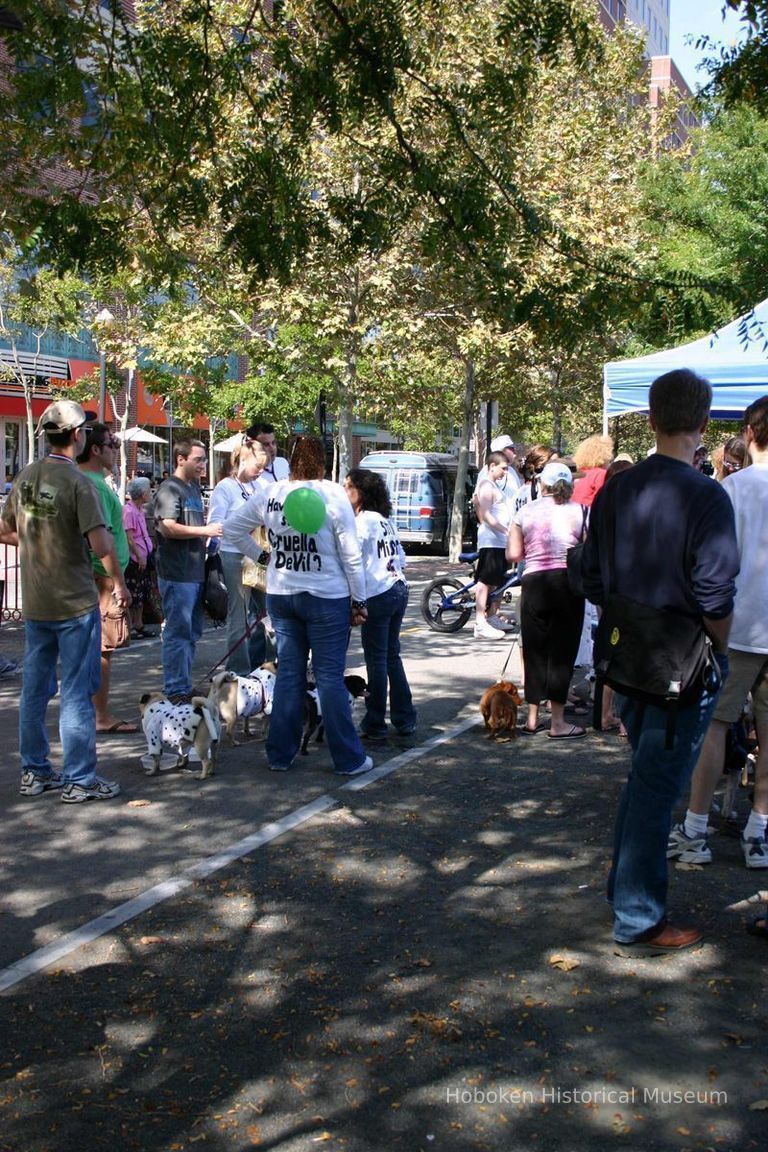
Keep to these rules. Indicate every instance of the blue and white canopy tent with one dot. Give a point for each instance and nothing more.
(733, 359)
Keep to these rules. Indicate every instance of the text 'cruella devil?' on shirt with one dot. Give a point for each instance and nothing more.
(326, 563)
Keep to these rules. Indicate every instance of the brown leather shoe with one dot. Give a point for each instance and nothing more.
(661, 941)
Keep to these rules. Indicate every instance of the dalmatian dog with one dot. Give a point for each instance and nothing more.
(178, 728)
(244, 697)
(313, 717)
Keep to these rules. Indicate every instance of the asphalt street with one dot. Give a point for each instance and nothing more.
(417, 958)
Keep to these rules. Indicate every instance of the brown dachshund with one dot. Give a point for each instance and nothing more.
(498, 708)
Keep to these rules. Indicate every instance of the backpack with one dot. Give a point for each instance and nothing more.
(648, 654)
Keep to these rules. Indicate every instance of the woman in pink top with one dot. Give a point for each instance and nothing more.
(140, 545)
(551, 617)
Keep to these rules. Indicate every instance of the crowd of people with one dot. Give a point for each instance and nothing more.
(674, 535)
(311, 586)
(305, 560)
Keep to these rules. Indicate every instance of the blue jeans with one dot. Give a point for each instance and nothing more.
(637, 884)
(305, 623)
(244, 607)
(77, 643)
(183, 611)
(381, 644)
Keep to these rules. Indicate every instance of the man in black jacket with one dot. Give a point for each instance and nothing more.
(674, 548)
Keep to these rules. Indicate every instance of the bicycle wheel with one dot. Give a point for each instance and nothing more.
(444, 614)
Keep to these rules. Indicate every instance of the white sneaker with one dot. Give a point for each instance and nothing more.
(755, 851)
(499, 622)
(486, 631)
(366, 766)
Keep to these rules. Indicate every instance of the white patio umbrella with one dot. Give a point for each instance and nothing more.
(141, 436)
(230, 443)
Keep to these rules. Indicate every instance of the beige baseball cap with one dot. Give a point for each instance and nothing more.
(63, 416)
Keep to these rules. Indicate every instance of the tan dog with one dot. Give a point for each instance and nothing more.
(178, 728)
(498, 707)
(244, 696)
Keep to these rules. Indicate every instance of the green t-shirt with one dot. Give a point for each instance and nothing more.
(52, 506)
(113, 516)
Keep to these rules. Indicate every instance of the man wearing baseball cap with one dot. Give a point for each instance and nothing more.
(54, 515)
(506, 445)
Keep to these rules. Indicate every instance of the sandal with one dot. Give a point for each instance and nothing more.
(573, 733)
(758, 927)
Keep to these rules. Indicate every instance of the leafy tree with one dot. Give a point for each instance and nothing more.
(32, 306)
(707, 213)
(739, 73)
(167, 122)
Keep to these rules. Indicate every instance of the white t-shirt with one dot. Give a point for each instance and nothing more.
(501, 508)
(327, 563)
(277, 470)
(748, 492)
(383, 555)
(228, 495)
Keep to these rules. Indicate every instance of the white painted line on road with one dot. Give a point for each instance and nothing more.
(30, 965)
(404, 758)
(37, 961)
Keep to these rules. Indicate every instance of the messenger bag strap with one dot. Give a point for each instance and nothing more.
(609, 517)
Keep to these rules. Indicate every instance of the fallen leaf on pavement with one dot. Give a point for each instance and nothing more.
(564, 963)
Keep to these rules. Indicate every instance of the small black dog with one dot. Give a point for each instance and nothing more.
(313, 718)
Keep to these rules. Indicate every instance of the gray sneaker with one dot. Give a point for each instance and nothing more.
(98, 790)
(33, 785)
(687, 849)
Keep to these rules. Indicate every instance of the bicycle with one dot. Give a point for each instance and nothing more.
(447, 603)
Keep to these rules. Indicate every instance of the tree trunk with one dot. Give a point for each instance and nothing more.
(344, 438)
(349, 385)
(481, 432)
(122, 418)
(557, 414)
(29, 389)
(458, 512)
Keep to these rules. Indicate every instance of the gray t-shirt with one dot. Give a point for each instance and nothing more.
(180, 560)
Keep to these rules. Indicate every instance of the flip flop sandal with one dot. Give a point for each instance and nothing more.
(575, 733)
(526, 731)
(758, 927)
(118, 728)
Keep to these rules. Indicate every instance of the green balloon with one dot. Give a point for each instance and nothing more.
(304, 509)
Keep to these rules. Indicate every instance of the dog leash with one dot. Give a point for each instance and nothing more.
(515, 640)
(249, 628)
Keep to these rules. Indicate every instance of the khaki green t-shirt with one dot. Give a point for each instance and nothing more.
(52, 505)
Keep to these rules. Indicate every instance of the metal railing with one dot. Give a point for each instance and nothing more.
(10, 578)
